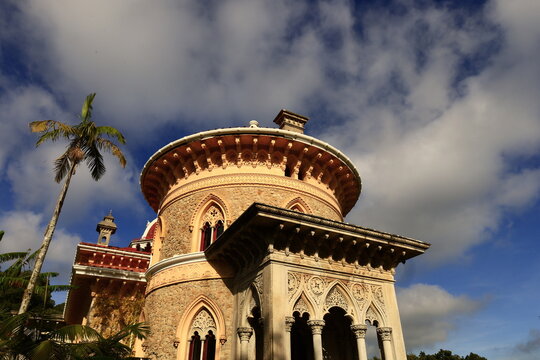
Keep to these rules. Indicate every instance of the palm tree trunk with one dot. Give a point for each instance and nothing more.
(25, 303)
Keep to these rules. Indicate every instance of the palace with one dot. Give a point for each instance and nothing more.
(249, 257)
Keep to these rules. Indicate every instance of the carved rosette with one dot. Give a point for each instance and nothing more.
(292, 284)
(378, 296)
(385, 333)
(316, 326)
(359, 331)
(316, 286)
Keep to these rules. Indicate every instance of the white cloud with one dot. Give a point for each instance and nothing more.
(429, 314)
(433, 148)
(24, 230)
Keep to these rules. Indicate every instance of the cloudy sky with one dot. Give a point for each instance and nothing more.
(436, 102)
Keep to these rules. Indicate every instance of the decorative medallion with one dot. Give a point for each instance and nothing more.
(316, 285)
(359, 292)
(292, 283)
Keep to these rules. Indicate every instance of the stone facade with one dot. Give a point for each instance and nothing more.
(230, 279)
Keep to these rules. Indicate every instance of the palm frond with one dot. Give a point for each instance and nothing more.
(86, 111)
(112, 132)
(52, 130)
(94, 160)
(12, 256)
(75, 333)
(61, 167)
(113, 149)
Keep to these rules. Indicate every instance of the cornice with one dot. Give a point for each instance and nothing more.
(175, 261)
(298, 157)
(85, 270)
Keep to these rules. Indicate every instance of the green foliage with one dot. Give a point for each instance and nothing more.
(444, 355)
(85, 141)
(28, 337)
(14, 278)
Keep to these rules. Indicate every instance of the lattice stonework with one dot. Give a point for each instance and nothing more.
(212, 216)
(335, 298)
(203, 322)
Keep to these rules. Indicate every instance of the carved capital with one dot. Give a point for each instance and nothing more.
(385, 333)
(244, 333)
(359, 331)
(289, 321)
(316, 326)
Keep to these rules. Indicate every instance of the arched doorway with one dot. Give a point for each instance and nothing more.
(338, 340)
(301, 338)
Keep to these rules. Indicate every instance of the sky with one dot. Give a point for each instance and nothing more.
(436, 103)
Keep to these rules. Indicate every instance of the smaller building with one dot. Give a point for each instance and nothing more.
(108, 281)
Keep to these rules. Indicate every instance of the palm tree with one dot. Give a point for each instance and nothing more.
(85, 141)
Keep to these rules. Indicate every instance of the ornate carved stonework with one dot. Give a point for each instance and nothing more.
(316, 285)
(244, 333)
(292, 284)
(316, 326)
(203, 322)
(371, 315)
(359, 292)
(183, 273)
(289, 321)
(250, 180)
(359, 331)
(378, 296)
(301, 307)
(212, 216)
(335, 298)
(385, 333)
(258, 283)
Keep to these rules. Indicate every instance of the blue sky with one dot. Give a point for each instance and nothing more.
(436, 102)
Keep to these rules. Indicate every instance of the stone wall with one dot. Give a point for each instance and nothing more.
(165, 308)
(180, 214)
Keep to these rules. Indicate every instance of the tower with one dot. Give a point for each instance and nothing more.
(251, 258)
(106, 228)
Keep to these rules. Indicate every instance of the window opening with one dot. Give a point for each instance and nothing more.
(214, 225)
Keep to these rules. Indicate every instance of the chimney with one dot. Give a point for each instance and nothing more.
(288, 120)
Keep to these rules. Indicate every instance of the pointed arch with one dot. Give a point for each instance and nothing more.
(157, 242)
(338, 296)
(374, 315)
(208, 222)
(195, 314)
(298, 204)
(302, 304)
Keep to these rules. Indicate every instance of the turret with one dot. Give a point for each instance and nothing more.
(106, 228)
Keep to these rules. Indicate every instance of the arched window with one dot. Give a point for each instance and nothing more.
(206, 236)
(202, 347)
(219, 228)
(213, 225)
(195, 347)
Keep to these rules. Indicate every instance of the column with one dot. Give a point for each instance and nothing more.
(316, 329)
(360, 335)
(201, 355)
(245, 334)
(385, 334)
(289, 321)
